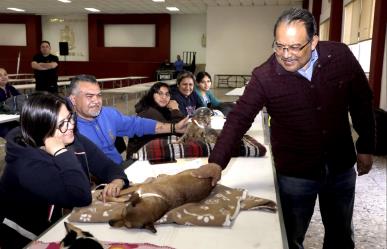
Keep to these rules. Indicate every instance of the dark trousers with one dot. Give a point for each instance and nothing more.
(47, 88)
(9, 239)
(336, 198)
(6, 127)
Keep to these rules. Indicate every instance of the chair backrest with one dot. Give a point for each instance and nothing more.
(120, 144)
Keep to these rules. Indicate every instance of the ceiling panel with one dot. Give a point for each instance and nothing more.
(271, 2)
(259, 2)
(247, 2)
(235, 3)
(222, 3)
(50, 7)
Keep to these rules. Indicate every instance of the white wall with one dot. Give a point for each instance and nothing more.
(186, 35)
(239, 38)
(383, 92)
(72, 29)
(325, 10)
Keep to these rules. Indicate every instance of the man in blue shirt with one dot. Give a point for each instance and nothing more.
(103, 124)
(179, 65)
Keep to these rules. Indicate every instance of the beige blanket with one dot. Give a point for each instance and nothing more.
(220, 208)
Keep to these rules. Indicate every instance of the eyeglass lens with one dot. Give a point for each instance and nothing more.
(64, 125)
(279, 48)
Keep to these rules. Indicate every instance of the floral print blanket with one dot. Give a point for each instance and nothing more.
(220, 208)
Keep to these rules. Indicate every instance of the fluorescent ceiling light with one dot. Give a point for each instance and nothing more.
(54, 20)
(65, 1)
(92, 9)
(172, 9)
(16, 9)
(158, 1)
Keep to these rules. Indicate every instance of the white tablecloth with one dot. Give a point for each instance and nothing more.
(4, 118)
(251, 229)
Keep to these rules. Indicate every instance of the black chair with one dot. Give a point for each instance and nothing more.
(120, 144)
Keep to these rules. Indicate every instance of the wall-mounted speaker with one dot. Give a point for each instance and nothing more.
(63, 48)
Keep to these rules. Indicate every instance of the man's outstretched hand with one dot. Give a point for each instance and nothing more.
(210, 170)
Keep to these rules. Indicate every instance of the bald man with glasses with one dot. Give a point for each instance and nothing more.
(308, 87)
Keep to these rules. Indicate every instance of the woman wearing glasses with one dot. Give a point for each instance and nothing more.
(157, 105)
(48, 167)
(308, 88)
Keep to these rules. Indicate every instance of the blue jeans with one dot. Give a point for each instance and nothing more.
(336, 198)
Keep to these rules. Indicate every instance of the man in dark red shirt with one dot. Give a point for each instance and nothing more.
(308, 87)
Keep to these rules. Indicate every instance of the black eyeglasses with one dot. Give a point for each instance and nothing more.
(63, 126)
(279, 48)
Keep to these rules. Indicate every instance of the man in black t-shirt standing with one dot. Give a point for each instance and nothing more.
(45, 67)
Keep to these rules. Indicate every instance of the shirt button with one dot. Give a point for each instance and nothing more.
(312, 86)
(324, 132)
(329, 55)
(318, 108)
(319, 65)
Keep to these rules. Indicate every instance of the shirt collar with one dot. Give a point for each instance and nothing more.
(307, 72)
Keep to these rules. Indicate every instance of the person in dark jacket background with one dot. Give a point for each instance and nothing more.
(308, 87)
(6, 91)
(48, 167)
(183, 92)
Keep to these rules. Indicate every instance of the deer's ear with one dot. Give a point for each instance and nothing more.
(70, 227)
(67, 226)
(73, 233)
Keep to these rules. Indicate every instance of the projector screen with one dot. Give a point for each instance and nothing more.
(13, 34)
(130, 35)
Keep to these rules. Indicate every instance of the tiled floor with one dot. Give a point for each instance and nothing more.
(369, 218)
(370, 204)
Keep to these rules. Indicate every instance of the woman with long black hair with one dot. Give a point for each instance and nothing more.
(157, 104)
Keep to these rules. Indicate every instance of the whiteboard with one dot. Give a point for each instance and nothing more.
(13, 34)
(130, 35)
